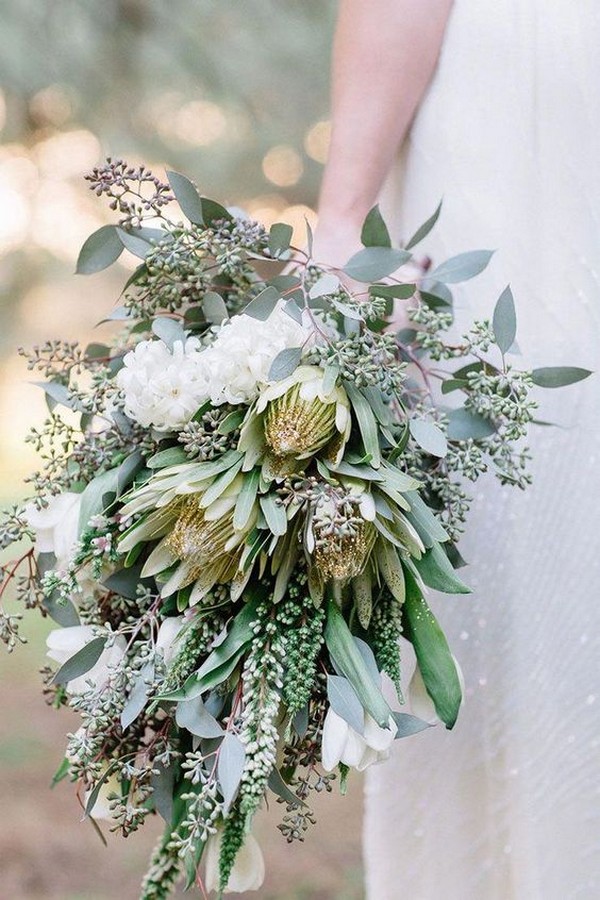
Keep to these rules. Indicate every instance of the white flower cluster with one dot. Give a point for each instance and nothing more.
(240, 358)
(163, 388)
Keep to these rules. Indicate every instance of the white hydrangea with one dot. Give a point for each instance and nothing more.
(241, 356)
(164, 388)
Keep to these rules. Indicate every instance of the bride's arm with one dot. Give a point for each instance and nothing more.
(384, 54)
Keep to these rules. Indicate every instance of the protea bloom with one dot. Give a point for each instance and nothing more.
(298, 416)
(200, 535)
(340, 533)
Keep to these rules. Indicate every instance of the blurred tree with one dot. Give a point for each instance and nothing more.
(233, 93)
(204, 85)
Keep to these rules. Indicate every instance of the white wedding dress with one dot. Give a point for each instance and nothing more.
(507, 806)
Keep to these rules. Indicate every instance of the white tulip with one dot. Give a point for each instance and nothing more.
(248, 871)
(342, 744)
(63, 643)
(168, 636)
(421, 703)
(56, 527)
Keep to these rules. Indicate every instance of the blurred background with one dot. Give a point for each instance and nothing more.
(236, 96)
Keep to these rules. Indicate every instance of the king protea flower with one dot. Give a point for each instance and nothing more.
(297, 417)
(201, 537)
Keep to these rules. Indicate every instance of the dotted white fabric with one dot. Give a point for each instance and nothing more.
(507, 806)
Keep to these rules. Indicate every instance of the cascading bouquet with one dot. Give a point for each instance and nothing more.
(245, 498)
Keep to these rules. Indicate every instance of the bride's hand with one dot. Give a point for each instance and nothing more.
(335, 241)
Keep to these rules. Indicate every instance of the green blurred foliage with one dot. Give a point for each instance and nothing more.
(122, 68)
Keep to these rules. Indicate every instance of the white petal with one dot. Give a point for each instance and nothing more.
(63, 643)
(420, 702)
(248, 871)
(354, 749)
(168, 634)
(333, 742)
(210, 858)
(379, 738)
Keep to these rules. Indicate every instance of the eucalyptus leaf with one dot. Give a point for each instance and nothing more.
(464, 424)
(187, 196)
(429, 437)
(310, 238)
(393, 291)
(213, 211)
(239, 635)
(100, 250)
(344, 702)
(162, 782)
(558, 376)
(408, 724)
(106, 484)
(292, 310)
(326, 284)
(369, 659)
(462, 267)
(349, 312)
(61, 773)
(214, 308)
(263, 304)
(81, 662)
(125, 582)
(138, 696)
(95, 792)
(505, 320)
(453, 384)
(424, 229)
(285, 363)
(280, 788)
(280, 236)
(140, 241)
(59, 393)
(374, 263)
(60, 609)
(374, 230)
(230, 768)
(434, 659)
(168, 330)
(195, 718)
(425, 521)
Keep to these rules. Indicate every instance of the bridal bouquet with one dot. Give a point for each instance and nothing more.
(246, 496)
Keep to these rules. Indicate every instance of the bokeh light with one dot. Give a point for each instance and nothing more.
(282, 166)
(317, 139)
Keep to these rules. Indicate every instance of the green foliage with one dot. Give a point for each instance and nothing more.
(433, 655)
